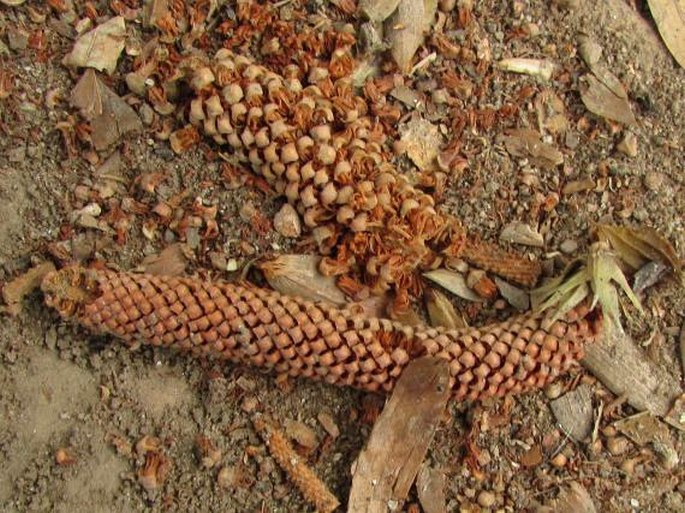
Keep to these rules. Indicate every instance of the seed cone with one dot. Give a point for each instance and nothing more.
(316, 145)
(299, 338)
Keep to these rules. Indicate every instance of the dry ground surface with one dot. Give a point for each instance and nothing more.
(61, 388)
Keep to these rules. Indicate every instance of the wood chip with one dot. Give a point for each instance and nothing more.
(573, 412)
(430, 487)
(14, 292)
(616, 361)
(535, 67)
(643, 428)
(388, 464)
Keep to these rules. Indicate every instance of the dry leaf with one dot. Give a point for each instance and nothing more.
(14, 292)
(405, 32)
(388, 464)
(378, 10)
(597, 276)
(99, 48)
(453, 282)
(518, 298)
(422, 141)
(441, 311)
(573, 412)
(517, 232)
(669, 16)
(602, 101)
(527, 143)
(110, 116)
(643, 428)
(171, 261)
(298, 275)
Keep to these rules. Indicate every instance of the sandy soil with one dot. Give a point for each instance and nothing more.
(62, 388)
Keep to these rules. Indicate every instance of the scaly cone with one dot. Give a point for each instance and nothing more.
(299, 338)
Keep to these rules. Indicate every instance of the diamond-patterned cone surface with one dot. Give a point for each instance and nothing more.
(299, 338)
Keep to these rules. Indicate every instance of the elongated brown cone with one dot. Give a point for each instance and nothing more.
(298, 338)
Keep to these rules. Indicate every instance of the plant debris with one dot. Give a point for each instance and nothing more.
(387, 466)
(14, 292)
(312, 488)
(527, 143)
(574, 413)
(110, 116)
(669, 16)
(100, 48)
(299, 275)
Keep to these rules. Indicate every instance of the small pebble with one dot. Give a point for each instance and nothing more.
(617, 445)
(287, 222)
(329, 424)
(559, 461)
(569, 246)
(654, 181)
(486, 499)
(628, 146)
(225, 477)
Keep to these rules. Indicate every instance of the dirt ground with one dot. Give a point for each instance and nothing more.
(90, 400)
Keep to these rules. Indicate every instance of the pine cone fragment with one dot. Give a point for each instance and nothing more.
(299, 338)
(318, 146)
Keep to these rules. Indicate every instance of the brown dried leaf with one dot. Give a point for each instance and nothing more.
(518, 298)
(441, 311)
(669, 16)
(453, 282)
(573, 412)
(388, 464)
(643, 428)
(110, 116)
(405, 32)
(602, 101)
(298, 275)
(527, 143)
(378, 10)
(171, 261)
(422, 140)
(14, 292)
(99, 48)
